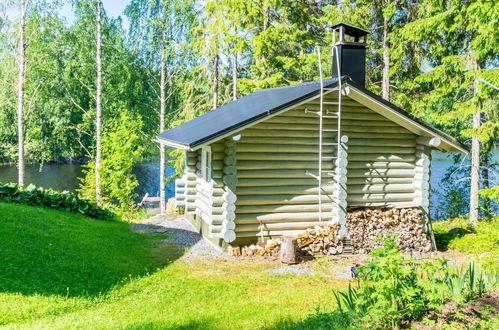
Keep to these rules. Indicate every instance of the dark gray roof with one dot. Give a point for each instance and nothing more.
(263, 103)
(241, 112)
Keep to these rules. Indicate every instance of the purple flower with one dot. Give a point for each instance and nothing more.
(353, 269)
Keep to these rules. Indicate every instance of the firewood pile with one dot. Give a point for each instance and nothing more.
(367, 224)
(312, 242)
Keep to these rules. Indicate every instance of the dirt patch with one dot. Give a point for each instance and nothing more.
(480, 313)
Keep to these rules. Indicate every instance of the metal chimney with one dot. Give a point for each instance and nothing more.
(351, 43)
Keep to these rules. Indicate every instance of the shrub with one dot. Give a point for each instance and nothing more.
(66, 201)
(122, 142)
(392, 288)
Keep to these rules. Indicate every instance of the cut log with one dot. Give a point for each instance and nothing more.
(288, 251)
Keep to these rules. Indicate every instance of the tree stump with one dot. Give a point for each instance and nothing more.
(288, 251)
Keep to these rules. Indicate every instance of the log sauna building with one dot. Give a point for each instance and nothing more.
(281, 160)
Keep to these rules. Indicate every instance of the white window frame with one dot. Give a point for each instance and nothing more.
(206, 167)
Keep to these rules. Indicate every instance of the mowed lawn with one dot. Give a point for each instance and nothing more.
(61, 270)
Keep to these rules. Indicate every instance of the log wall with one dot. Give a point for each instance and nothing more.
(274, 155)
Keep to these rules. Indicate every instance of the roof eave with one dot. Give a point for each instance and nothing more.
(173, 144)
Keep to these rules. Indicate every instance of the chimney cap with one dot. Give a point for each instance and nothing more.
(351, 30)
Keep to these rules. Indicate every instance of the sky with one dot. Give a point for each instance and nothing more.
(113, 8)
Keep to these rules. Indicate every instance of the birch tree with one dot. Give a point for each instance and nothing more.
(98, 102)
(23, 7)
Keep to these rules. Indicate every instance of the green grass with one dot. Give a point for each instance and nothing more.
(62, 270)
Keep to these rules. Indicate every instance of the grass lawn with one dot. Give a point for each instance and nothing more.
(481, 242)
(61, 270)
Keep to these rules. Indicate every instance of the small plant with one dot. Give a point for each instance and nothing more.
(65, 201)
(393, 289)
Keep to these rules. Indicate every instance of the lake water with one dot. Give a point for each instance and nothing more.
(65, 176)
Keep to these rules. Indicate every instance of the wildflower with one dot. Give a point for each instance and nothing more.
(353, 269)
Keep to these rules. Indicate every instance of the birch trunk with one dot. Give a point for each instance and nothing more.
(162, 157)
(385, 83)
(215, 82)
(234, 76)
(475, 171)
(23, 6)
(98, 106)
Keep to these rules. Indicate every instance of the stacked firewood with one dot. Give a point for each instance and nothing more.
(367, 224)
(312, 242)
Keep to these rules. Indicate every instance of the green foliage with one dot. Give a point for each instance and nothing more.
(490, 193)
(121, 148)
(393, 288)
(11, 193)
(482, 239)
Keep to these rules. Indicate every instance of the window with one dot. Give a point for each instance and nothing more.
(206, 163)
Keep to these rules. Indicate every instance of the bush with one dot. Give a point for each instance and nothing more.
(393, 289)
(66, 201)
(122, 142)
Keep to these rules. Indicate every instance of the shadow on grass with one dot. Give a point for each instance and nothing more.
(193, 324)
(443, 239)
(333, 320)
(48, 252)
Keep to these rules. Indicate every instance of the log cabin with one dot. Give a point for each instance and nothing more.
(281, 160)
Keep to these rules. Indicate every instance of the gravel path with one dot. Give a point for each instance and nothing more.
(179, 231)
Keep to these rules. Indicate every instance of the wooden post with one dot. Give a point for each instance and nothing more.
(287, 254)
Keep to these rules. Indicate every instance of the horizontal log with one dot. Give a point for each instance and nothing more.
(344, 128)
(382, 142)
(229, 207)
(383, 165)
(280, 217)
(381, 180)
(391, 204)
(278, 148)
(381, 157)
(230, 197)
(380, 188)
(420, 169)
(285, 165)
(423, 162)
(280, 199)
(378, 173)
(422, 193)
(392, 197)
(243, 174)
(289, 190)
(344, 115)
(326, 207)
(278, 182)
(271, 156)
(421, 201)
(422, 185)
(429, 141)
(422, 176)
(269, 233)
(289, 120)
(229, 225)
(278, 226)
(283, 133)
(381, 149)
